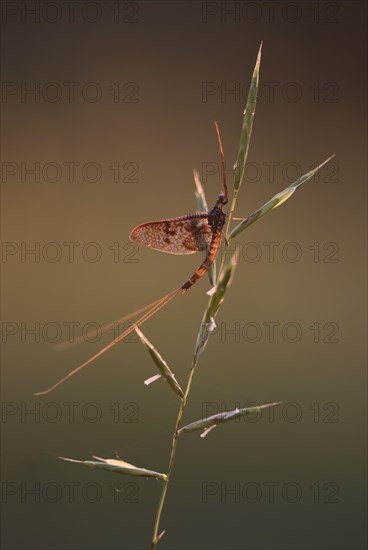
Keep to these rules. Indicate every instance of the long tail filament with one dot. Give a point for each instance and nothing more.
(156, 306)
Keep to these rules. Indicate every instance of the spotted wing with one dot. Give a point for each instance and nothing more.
(183, 235)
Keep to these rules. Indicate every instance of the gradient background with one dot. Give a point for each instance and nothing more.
(170, 50)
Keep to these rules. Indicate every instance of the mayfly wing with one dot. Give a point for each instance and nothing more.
(182, 235)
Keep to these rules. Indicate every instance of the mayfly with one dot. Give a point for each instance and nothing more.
(201, 231)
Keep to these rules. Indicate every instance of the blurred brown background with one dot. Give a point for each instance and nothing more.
(122, 108)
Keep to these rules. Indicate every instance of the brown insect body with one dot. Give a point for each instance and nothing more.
(186, 235)
(216, 220)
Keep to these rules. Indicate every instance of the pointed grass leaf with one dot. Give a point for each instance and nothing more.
(199, 193)
(248, 118)
(117, 466)
(161, 364)
(152, 379)
(276, 201)
(159, 537)
(203, 207)
(217, 297)
(211, 421)
(245, 136)
(212, 273)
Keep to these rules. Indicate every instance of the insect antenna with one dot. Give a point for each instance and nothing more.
(222, 161)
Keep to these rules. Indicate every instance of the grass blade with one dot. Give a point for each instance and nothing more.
(221, 418)
(208, 322)
(276, 201)
(247, 125)
(117, 466)
(199, 193)
(203, 207)
(245, 136)
(161, 364)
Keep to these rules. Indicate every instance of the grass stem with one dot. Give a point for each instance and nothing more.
(155, 536)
